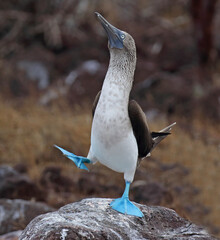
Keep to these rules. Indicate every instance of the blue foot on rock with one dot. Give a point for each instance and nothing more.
(78, 160)
(124, 205)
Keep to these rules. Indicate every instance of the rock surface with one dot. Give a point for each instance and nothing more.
(11, 236)
(94, 219)
(16, 214)
(15, 185)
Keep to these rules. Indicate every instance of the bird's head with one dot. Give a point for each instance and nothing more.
(119, 42)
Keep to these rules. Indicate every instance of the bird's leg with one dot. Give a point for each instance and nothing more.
(78, 160)
(124, 205)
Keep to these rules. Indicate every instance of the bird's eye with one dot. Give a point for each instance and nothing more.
(122, 36)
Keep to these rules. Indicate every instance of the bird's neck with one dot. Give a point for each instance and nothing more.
(120, 75)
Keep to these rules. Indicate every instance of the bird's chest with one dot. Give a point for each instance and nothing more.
(111, 124)
(111, 127)
(112, 138)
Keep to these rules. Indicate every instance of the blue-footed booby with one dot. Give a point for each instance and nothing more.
(120, 136)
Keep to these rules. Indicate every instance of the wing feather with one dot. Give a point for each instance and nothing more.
(140, 128)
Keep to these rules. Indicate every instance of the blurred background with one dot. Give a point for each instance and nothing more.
(53, 60)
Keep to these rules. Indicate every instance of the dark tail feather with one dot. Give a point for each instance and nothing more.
(165, 133)
(159, 134)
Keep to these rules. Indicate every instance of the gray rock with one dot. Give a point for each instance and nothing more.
(15, 185)
(16, 214)
(35, 71)
(94, 219)
(11, 236)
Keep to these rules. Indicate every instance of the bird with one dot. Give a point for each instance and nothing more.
(120, 136)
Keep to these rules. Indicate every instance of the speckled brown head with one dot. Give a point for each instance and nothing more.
(121, 46)
(118, 40)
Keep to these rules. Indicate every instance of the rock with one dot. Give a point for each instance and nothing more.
(36, 71)
(94, 219)
(11, 236)
(16, 214)
(15, 185)
(151, 193)
(52, 178)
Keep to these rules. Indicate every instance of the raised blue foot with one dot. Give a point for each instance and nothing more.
(124, 205)
(78, 160)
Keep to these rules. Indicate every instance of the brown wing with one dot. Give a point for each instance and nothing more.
(140, 128)
(95, 103)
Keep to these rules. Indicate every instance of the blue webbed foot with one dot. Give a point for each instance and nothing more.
(78, 160)
(124, 205)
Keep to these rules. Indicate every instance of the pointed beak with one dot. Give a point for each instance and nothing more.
(115, 36)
